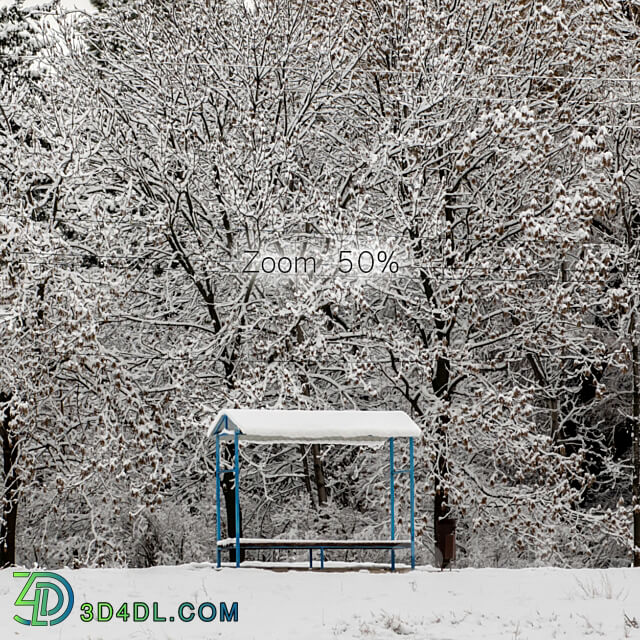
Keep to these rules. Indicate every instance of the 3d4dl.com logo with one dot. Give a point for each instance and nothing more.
(48, 594)
(50, 598)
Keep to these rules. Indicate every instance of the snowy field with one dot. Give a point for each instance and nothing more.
(491, 604)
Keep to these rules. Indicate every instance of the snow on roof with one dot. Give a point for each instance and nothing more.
(296, 425)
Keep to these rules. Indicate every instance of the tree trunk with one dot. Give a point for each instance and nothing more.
(307, 480)
(11, 486)
(440, 507)
(440, 383)
(318, 469)
(635, 416)
(318, 473)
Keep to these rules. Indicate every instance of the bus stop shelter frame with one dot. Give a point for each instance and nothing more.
(222, 431)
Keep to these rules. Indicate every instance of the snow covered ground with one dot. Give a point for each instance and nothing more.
(478, 604)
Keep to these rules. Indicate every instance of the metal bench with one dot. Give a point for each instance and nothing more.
(321, 545)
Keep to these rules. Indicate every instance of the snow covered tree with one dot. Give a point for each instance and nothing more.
(463, 137)
(217, 159)
(76, 433)
(616, 231)
(489, 161)
(18, 42)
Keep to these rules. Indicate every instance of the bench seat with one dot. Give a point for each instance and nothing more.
(277, 543)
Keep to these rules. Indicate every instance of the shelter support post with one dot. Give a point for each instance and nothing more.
(236, 478)
(412, 492)
(218, 551)
(392, 500)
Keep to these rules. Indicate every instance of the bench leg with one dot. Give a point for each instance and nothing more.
(310, 558)
(393, 559)
(322, 558)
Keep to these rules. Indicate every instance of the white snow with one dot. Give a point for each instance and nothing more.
(426, 604)
(275, 425)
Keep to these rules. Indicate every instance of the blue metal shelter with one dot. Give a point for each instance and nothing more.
(307, 426)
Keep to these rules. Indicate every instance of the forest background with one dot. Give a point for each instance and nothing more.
(492, 147)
